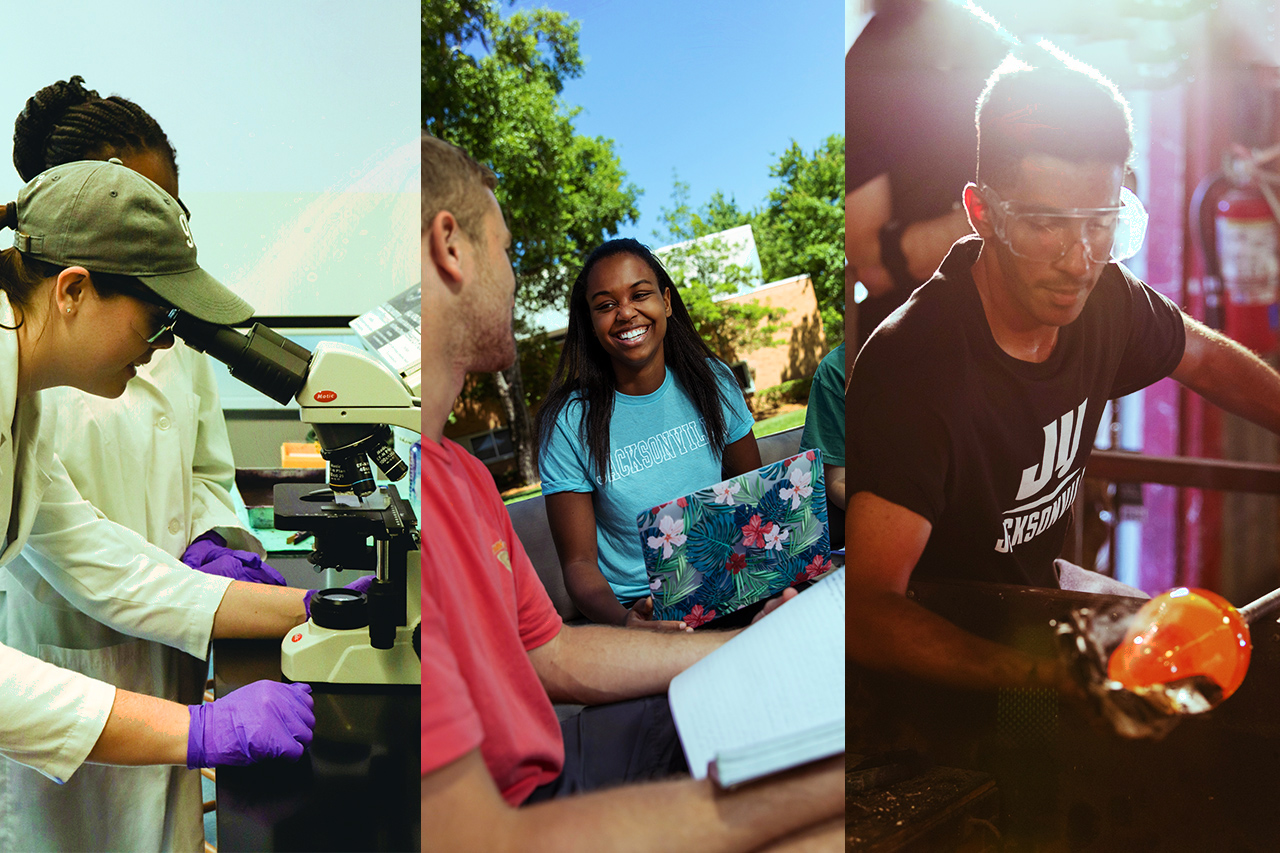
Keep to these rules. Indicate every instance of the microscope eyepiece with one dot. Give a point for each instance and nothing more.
(262, 359)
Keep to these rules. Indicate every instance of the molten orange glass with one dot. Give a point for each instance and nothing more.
(1181, 633)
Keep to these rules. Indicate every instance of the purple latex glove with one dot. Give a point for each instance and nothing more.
(360, 584)
(265, 719)
(209, 554)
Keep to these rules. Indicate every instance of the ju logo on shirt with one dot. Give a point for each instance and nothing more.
(1050, 485)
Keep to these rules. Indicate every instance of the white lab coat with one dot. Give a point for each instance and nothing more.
(81, 579)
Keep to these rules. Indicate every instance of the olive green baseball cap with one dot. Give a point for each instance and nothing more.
(105, 217)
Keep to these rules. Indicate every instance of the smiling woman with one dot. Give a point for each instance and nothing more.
(632, 373)
(629, 314)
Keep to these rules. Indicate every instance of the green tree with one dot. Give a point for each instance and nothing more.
(684, 223)
(703, 270)
(492, 85)
(704, 273)
(800, 228)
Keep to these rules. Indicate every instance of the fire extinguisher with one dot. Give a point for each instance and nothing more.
(1240, 243)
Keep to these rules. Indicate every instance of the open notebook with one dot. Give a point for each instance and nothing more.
(771, 698)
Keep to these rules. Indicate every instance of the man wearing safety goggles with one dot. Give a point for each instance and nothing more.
(973, 407)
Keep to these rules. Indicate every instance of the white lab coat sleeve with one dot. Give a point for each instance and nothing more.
(50, 718)
(213, 470)
(114, 575)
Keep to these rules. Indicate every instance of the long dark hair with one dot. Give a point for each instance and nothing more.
(585, 371)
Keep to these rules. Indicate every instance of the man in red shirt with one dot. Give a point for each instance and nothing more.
(495, 654)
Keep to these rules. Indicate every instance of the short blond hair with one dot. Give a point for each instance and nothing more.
(452, 181)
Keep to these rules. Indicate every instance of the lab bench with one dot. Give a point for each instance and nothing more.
(356, 788)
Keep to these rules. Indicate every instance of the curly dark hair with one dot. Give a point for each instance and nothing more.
(65, 122)
(585, 371)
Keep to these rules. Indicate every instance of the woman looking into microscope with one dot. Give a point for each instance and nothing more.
(61, 323)
(165, 436)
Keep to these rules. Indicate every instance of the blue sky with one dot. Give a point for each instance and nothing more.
(290, 119)
(281, 96)
(710, 88)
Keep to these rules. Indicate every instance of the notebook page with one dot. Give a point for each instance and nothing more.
(781, 676)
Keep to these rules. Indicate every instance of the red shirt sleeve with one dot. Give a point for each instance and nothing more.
(450, 725)
(483, 609)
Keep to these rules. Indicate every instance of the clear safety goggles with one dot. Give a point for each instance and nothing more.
(1046, 234)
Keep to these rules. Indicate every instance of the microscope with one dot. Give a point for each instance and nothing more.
(351, 400)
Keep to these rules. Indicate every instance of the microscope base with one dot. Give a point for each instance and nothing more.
(331, 656)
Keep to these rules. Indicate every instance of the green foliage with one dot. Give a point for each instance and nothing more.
(801, 227)
(768, 425)
(684, 223)
(711, 549)
(791, 391)
(679, 581)
(491, 85)
(538, 357)
(703, 271)
(806, 533)
(798, 229)
(752, 582)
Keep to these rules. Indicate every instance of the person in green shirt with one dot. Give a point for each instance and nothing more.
(824, 430)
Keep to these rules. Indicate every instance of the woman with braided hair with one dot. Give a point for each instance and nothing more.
(157, 460)
(65, 122)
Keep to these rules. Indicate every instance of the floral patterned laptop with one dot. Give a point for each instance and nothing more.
(737, 542)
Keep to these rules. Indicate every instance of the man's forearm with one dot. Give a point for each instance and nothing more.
(256, 610)
(594, 664)
(1230, 376)
(676, 815)
(890, 632)
(695, 815)
(926, 243)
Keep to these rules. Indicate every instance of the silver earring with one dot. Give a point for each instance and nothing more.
(68, 309)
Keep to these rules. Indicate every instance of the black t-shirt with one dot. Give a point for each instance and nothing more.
(912, 80)
(988, 448)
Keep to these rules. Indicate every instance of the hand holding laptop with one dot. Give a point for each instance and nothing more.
(641, 616)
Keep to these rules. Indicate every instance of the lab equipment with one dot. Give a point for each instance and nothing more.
(355, 591)
(351, 400)
(349, 637)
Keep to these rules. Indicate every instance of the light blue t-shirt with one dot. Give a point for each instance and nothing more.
(659, 451)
